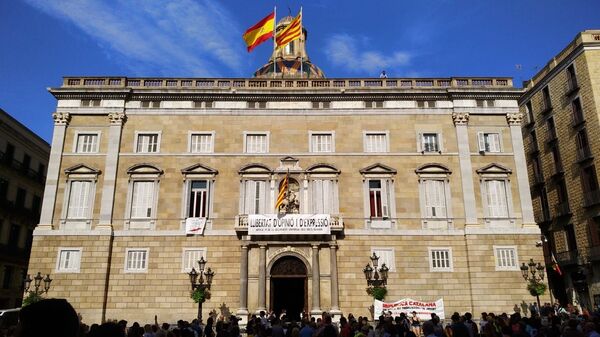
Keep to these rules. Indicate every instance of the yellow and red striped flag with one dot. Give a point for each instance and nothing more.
(260, 32)
(555, 265)
(282, 191)
(290, 33)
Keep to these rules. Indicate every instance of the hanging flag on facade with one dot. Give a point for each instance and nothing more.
(282, 192)
(260, 32)
(290, 33)
(555, 266)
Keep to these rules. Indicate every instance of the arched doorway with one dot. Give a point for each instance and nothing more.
(289, 286)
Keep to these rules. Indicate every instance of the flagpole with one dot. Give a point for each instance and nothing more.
(287, 193)
(274, 39)
(302, 49)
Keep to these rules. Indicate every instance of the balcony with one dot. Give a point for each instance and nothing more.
(533, 148)
(241, 223)
(591, 198)
(557, 170)
(546, 107)
(552, 137)
(577, 119)
(544, 217)
(538, 180)
(567, 258)
(20, 168)
(583, 154)
(563, 209)
(572, 87)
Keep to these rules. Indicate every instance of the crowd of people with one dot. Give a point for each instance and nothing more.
(56, 317)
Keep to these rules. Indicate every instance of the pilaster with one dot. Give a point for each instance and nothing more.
(262, 279)
(316, 282)
(514, 121)
(242, 311)
(116, 120)
(335, 306)
(461, 121)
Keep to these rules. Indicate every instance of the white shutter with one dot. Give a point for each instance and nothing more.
(420, 143)
(318, 196)
(262, 197)
(384, 198)
(435, 200)
(481, 141)
(79, 200)
(497, 205)
(327, 196)
(494, 142)
(249, 197)
(142, 200)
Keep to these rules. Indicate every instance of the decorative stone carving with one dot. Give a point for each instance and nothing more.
(460, 118)
(514, 118)
(289, 249)
(288, 266)
(61, 118)
(117, 118)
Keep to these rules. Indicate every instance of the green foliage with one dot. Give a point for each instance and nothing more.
(536, 288)
(200, 295)
(377, 293)
(31, 298)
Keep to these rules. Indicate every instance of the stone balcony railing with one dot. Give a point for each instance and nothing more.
(567, 258)
(262, 84)
(241, 223)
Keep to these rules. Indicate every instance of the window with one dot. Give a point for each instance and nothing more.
(90, 102)
(86, 143)
(571, 78)
(321, 105)
(68, 260)
(3, 189)
(198, 201)
(190, 258)
(255, 196)
(379, 203)
(201, 142)
(378, 199)
(386, 255)
(148, 143)
(321, 142)
(425, 104)
(257, 105)
(376, 142)
(551, 129)
(256, 142)
(151, 104)
(529, 112)
(430, 142)
(489, 142)
(589, 181)
(14, 235)
(577, 117)
(497, 203)
(583, 146)
(136, 260)
(435, 198)
(506, 258)
(142, 199)
(203, 104)
(440, 259)
(20, 198)
(7, 277)
(546, 102)
(324, 196)
(79, 199)
(373, 104)
(485, 103)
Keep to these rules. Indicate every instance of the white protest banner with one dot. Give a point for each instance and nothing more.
(408, 305)
(195, 225)
(273, 224)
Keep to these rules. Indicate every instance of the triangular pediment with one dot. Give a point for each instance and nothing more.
(433, 168)
(494, 168)
(254, 168)
(199, 169)
(144, 168)
(81, 169)
(322, 168)
(377, 168)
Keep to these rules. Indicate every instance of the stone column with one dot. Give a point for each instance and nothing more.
(316, 278)
(242, 312)
(461, 121)
(514, 122)
(116, 120)
(61, 120)
(335, 306)
(262, 279)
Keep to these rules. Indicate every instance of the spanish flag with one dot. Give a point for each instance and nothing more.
(555, 265)
(290, 33)
(260, 32)
(282, 190)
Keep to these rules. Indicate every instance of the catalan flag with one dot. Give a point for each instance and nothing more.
(555, 265)
(282, 191)
(260, 32)
(290, 33)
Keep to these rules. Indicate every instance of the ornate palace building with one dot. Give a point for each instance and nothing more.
(147, 175)
(562, 142)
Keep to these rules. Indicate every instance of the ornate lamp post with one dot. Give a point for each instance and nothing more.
(534, 275)
(37, 283)
(202, 284)
(376, 277)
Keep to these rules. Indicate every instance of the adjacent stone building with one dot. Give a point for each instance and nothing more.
(147, 175)
(23, 162)
(562, 141)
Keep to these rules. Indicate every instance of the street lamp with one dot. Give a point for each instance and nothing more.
(201, 284)
(533, 273)
(376, 277)
(37, 284)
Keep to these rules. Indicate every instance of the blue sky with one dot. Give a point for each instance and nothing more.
(43, 40)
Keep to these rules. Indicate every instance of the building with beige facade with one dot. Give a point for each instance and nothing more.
(23, 162)
(562, 141)
(147, 175)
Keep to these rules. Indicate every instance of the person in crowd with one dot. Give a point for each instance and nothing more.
(471, 326)
(428, 329)
(48, 317)
(415, 323)
(458, 328)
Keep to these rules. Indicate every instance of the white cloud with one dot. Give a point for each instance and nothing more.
(153, 37)
(354, 55)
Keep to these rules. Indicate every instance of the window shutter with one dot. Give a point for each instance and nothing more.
(249, 197)
(481, 140)
(420, 143)
(327, 196)
(384, 199)
(262, 197)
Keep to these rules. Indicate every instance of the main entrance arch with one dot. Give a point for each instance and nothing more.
(289, 286)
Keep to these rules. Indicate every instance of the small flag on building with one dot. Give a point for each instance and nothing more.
(282, 192)
(555, 266)
(290, 33)
(260, 32)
